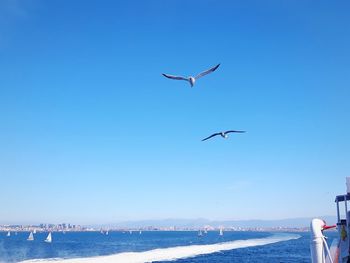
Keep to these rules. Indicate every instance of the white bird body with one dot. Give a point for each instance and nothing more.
(192, 79)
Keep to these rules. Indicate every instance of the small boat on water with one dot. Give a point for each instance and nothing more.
(34, 231)
(8, 234)
(200, 234)
(30, 237)
(221, 233)
(48, 238)
(107, 233)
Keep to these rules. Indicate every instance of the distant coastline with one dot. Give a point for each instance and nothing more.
(286, 225)
(4, 229)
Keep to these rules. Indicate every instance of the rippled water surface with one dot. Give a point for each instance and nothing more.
(255, 247)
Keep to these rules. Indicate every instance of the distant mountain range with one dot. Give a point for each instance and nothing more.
(193, 223)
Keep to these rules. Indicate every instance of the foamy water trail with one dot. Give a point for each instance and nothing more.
(173, 253)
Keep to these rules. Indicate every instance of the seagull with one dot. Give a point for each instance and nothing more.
(222, 134)
(191, 79)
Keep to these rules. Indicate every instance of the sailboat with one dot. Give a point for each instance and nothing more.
(200, 233)
(8, 234)
(140, 232)
(107, 232)
(221, 232)
(205, 231)
(30, 237)
(49, 238)
(34, 231)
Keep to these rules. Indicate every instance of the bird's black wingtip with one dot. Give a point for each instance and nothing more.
(216, 67)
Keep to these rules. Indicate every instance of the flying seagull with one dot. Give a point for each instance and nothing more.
(191, 79)
(222, 134)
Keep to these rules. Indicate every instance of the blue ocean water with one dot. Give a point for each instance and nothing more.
(89, 244)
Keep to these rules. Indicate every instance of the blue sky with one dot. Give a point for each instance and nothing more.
(90, 132)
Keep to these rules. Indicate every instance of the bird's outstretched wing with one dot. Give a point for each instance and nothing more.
(215, 134)
(174, 77)
(233, 131)
(207, 72)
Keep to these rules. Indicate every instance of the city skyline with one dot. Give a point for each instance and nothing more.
(91, 132)
(172, 224)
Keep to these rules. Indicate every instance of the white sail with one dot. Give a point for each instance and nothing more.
(34, 231)
(140, 232)
(8, 234)
(200, 233)
(107, 232)
(49, 238)
(30, 237)
(221, 232)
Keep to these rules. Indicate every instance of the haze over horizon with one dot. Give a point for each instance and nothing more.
(299, 222)
(90, 131)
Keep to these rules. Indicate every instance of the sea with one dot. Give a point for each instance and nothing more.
(158, 246)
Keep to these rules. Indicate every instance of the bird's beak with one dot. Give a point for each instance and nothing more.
(328, 227)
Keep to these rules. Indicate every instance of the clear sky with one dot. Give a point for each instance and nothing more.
(91, 132)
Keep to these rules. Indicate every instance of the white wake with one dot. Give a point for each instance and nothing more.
(173, 253)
